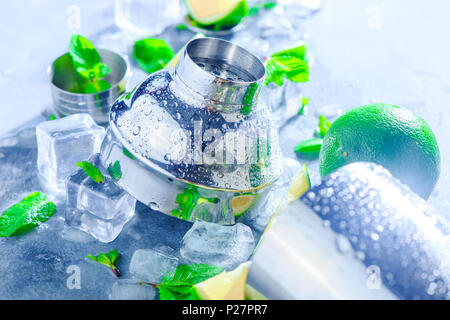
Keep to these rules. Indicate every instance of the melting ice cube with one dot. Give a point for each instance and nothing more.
(222, 246)
(101, 209)
(151, 265)
(126, 289)
(64, 142)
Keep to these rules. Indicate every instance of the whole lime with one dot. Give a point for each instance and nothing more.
(388, 135)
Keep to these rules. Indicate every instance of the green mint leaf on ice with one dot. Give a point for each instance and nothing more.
(51, 117)
(96, 86)
(291, 64)
(305, 102)
(126, 152)
(181, 26)
(114, 170)
(26, 215)
(309, 149)
(323, 126)
(93, 172)
(187, 201)
(152, 54)
(88, 65)
(254, 10)
(108, 259)
(269, 5)
(179, 285)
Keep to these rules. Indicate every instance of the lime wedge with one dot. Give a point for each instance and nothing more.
(299, 185)
(225, 286)
(242, 203)
(221, 13)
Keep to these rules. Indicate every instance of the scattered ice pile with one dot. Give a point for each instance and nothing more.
(101, 209)
(222, 246)
(127, 289)
(64, 142)
(151, 265)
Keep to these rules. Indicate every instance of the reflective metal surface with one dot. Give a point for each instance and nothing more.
(359, 234)
(200, 123)
(63, 79)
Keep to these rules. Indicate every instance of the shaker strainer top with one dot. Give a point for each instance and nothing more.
(201, 122)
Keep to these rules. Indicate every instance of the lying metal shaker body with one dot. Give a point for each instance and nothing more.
(360, 234)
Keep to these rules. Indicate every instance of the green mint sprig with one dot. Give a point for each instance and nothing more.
(114, 170)
(108, 259)
(179, 285)
(93, 172)
(254, 10)
(88, 65)
(187, 201)
(305, 103)
(323, 126)
(291, 64)
(26, 215)
(152, 54)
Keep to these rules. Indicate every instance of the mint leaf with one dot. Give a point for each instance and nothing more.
(114, 170)
(93, 172)
(323, 126)
(26, 215)
(305, 102)
(291, 64)
(83, 52)
(187, 201)
(126, 152)
(181, 26)
(254, 10)
(179, 286)
(309, 149)
(108, 259)
(152, 54)
(52, 117)
(96, 86)
(87, 64)
(269, 5)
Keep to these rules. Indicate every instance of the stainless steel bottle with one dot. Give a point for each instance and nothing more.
(360, 234)
(196, 131)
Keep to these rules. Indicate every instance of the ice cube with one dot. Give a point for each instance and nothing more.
(64, 142)
(127, 289)
(101, 209)
(272, 197)
(216, 209)
(222, 246)
(284, 102)
(151, 265)
(147, 18)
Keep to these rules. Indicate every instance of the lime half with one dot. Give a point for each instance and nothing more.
(220, 13)
(242, 203)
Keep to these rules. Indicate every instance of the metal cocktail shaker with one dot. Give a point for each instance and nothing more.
(360, 234)
(196, 136)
